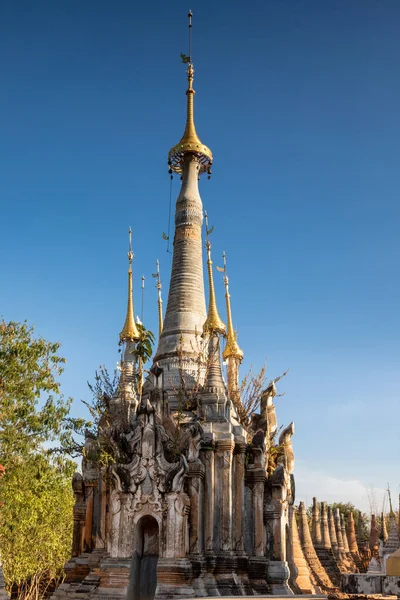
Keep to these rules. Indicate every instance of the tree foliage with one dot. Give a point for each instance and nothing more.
(35, 489)
(36, 523)
(29, 371)
(346, 508)
(144, 346)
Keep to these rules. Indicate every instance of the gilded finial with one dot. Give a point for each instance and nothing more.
(214, 323)
(129, 331)
(190, 142)
(232, 349)
(158, 286)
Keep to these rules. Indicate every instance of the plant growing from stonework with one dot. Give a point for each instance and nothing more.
(143, 352)
(275, 451)
(103, 430)
(251, 389)
(188, 390)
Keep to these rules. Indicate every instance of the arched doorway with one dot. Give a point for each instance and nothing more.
(143, 575)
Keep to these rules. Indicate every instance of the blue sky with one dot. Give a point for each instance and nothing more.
(299, 102)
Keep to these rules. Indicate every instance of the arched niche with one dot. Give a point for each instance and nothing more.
(147, 533)
(143, 575)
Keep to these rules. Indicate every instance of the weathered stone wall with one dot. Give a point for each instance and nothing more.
(365, 583)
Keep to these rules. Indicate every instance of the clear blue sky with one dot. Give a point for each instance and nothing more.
(299, 101)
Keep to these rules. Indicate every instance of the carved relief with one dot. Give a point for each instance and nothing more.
(285, 442)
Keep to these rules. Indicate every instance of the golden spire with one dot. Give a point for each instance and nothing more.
(158, 286)
(129, 331)
(190, 142)
(213, 322)
(232, 349)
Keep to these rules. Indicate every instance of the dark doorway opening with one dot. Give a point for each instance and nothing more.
(143, 575)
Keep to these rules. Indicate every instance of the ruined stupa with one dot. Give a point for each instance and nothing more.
(197, 502)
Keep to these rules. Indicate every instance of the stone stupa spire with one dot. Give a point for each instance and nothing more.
(392, 542)
(374, 534)
(186, 309)
(344, 533)
(351, 534)
(338, 526)
(316, 524)
(383, 534)
(325, 537)
(332, 531)
(361, 539)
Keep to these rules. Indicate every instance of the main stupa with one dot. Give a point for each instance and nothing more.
(199, 502)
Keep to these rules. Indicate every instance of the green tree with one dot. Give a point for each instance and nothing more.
(346, 508)
(142, 353)
(35, 489)
(29, 371)
(144, 346)
(36, 524)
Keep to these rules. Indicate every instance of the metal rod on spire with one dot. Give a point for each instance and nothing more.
(130, 253)
(190, 15)
(142, 313)
(208, 231)
(159, 300)
(390, 499)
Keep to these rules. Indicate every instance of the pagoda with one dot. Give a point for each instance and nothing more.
(199, 502)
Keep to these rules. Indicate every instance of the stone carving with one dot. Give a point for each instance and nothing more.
(179, 478)
(267, 409)
(285, 441)
(89, 468)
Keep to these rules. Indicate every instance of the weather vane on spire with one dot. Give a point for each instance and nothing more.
(131, 256)
(188, 58)
(223, 269)
(208, 231)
